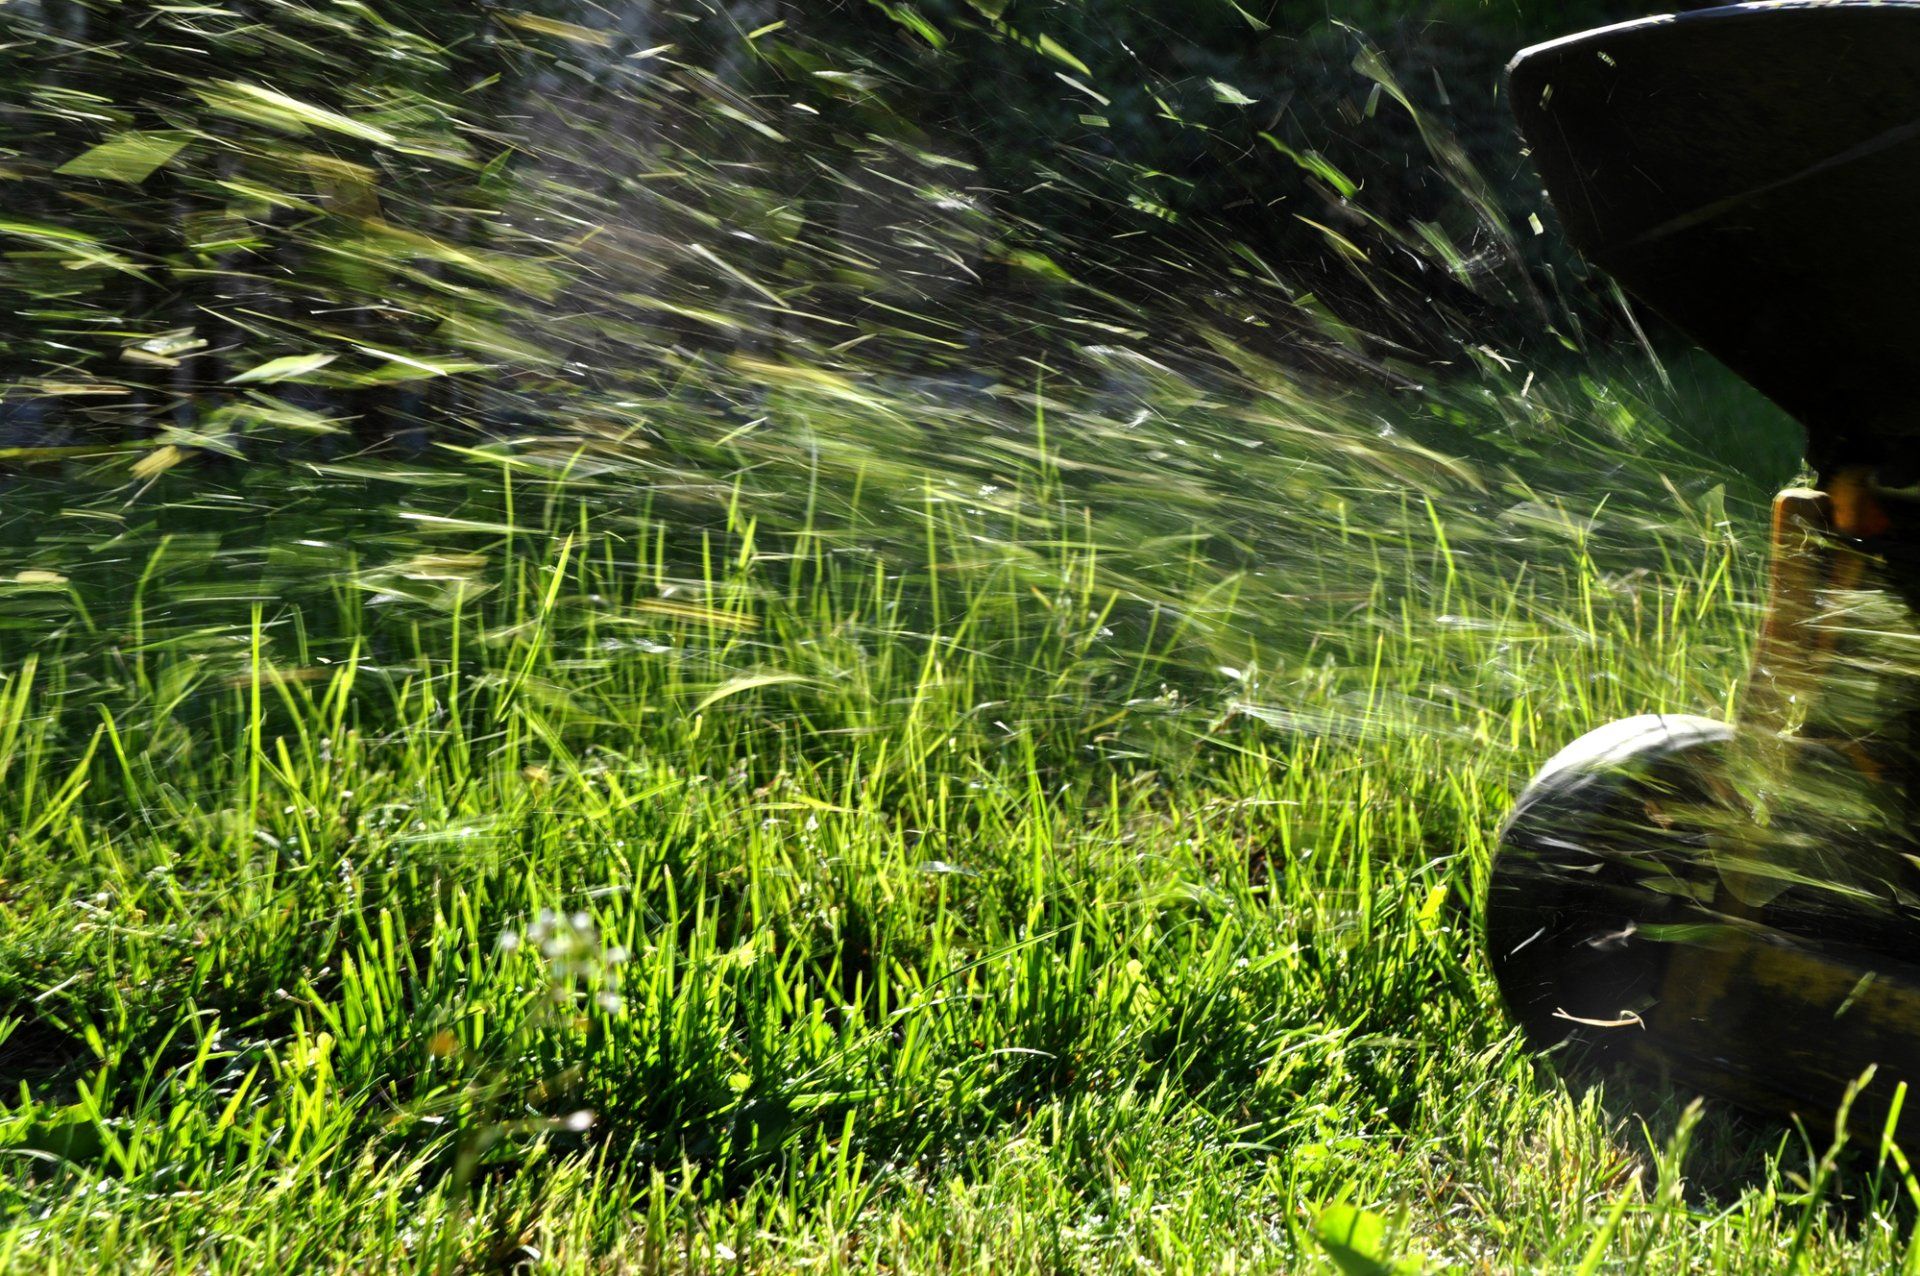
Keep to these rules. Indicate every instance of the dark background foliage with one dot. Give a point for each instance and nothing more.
(468, 213)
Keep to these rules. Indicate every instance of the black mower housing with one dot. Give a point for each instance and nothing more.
(1753, 174)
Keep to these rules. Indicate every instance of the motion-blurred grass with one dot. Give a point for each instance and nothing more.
(930, 837)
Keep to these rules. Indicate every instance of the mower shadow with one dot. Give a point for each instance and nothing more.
(1730, 1152)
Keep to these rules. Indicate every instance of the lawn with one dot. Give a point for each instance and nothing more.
(886, 639)
(916, 833)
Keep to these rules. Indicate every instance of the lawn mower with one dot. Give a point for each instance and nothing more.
(1735, 906)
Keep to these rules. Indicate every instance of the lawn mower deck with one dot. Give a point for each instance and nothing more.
(1737, 905)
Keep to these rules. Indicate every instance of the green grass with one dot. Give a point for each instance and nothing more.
(1058, 853)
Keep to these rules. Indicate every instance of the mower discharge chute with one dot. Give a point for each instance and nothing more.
(1737, 906)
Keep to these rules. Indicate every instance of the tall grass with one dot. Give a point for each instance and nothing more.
(829, 859)
(842, 745)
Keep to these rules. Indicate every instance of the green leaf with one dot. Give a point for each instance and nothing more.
(554, 27)
(910, 18)
(71, 1134)
(1252, 21)
(749, 682)
(278, 110)
(67, 452)
(1356, 1241)
(405, 367)
(1231, 96)
(1054, 49)
(1038, 263)
(83, 251)
(1317, 164)
(128, 157)
(285, 368)
(38, 230)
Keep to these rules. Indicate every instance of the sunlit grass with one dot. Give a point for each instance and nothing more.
(1063, 855)
(629, 644)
